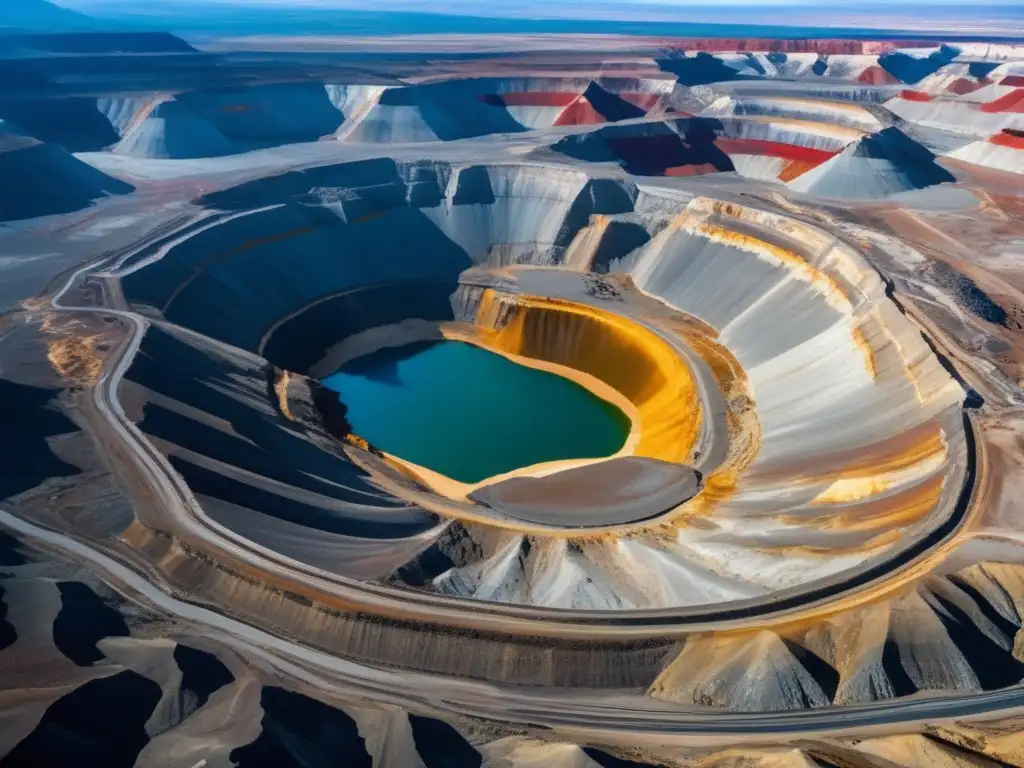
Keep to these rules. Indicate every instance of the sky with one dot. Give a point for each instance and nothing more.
(581, 7)
(998, 17)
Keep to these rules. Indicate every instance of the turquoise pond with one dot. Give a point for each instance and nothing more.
(469, 414)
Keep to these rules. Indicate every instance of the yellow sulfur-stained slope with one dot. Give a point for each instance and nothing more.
(631, 359)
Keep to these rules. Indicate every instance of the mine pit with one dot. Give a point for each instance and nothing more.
(506, 405)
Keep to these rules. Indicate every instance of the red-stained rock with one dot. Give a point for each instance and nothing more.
(876, 75)
(1011, 102)
(963, 85)
(774, 149)
(1008, 138)
(914, 96)
(580, 112)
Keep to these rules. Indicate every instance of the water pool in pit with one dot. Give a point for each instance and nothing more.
(468, 413)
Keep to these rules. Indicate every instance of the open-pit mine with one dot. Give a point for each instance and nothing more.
(608, 402)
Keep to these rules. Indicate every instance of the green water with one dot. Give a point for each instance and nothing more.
(469, 414)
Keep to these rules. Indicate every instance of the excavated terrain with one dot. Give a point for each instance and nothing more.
(793, 268)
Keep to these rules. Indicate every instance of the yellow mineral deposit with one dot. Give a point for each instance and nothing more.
(631, 359)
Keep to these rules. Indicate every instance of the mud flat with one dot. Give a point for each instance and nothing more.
(629, 489)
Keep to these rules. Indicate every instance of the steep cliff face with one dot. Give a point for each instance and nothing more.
(874, 167)
(632, 360)
(952, 633)
(43, 179)
(1002, 151)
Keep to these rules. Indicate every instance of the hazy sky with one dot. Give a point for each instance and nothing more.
(948, 15)
(583, 6)
(311, 17)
